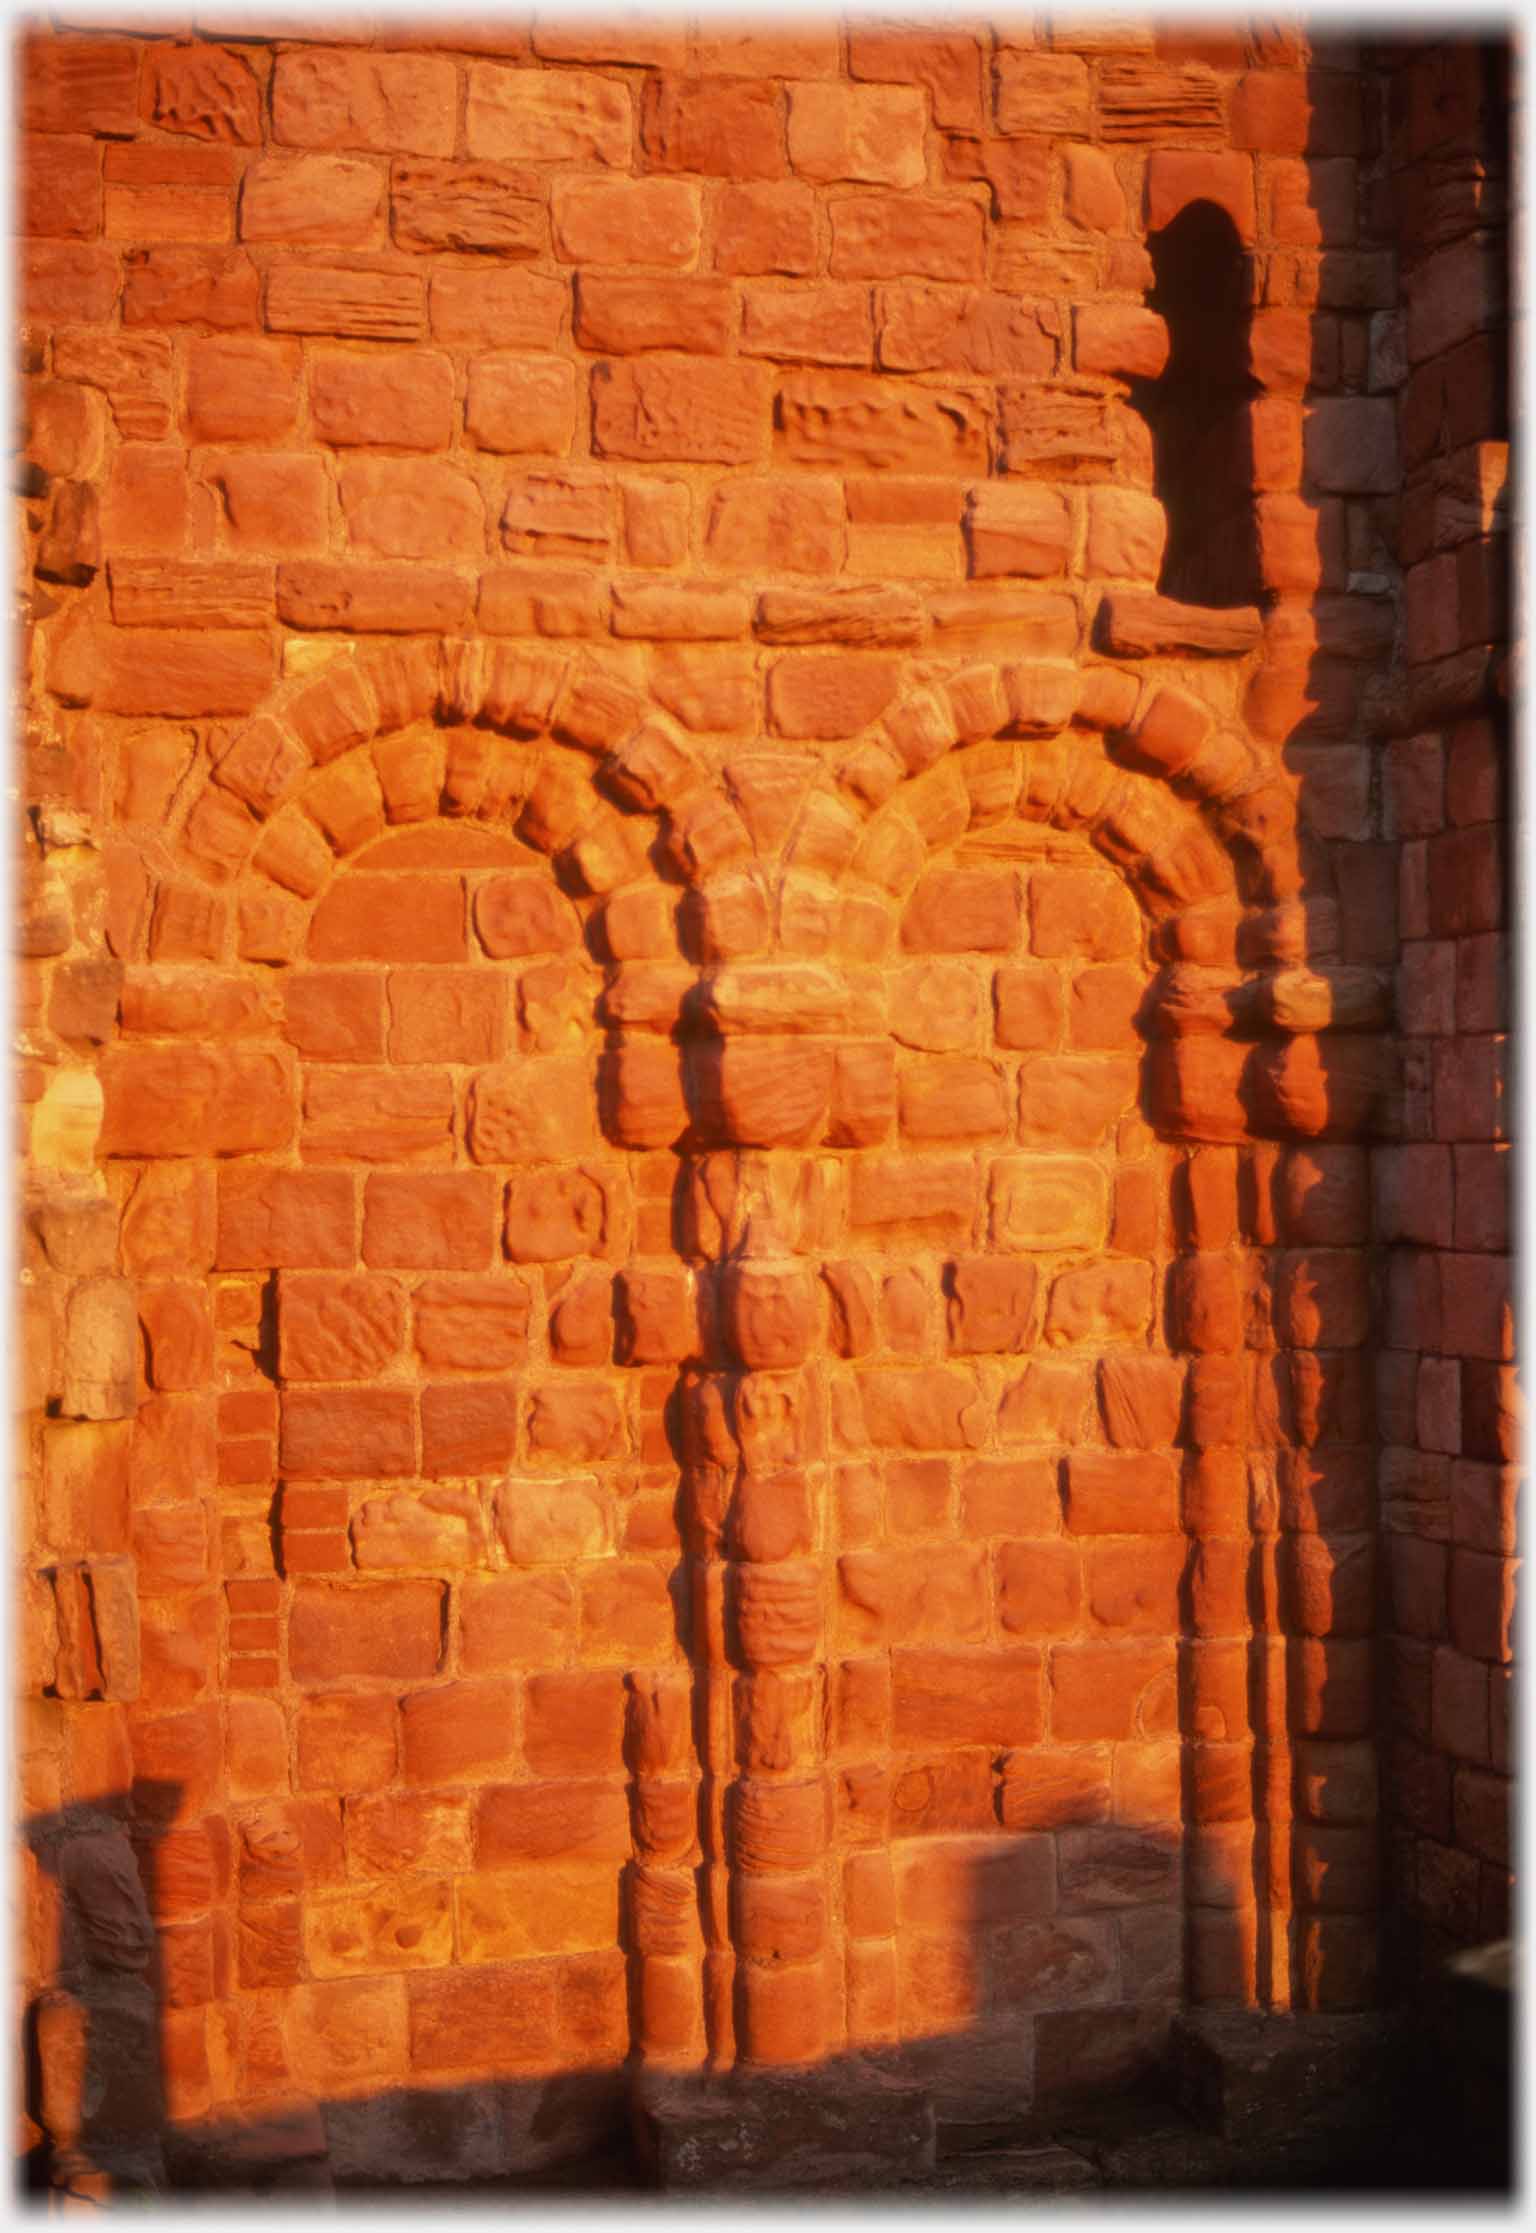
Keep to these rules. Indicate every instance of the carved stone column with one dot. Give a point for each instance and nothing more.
(756, 1496)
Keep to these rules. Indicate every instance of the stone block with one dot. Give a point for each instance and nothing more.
(771, 2132)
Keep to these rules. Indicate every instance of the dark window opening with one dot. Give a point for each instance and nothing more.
(1198, 410)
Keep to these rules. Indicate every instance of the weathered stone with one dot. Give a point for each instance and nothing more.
(849, 421)
(1047, 1202)
(441, 1529)
(542, 117)
(1137, 626)
(794, 2134)
(539, 1522)
(205, 92)
(484, 208)
(689, 412)
(100, 1350)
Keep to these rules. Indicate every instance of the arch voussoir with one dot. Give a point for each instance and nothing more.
(566, 752)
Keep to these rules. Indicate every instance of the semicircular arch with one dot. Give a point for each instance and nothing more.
(1252, 1034)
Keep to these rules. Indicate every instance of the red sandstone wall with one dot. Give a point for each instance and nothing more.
(697, 1271)
(1449, 1408)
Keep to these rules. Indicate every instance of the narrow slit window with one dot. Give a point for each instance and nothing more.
(1199, 409)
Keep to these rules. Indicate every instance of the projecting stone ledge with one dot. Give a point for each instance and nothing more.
(767, 2132)
(1135, 625)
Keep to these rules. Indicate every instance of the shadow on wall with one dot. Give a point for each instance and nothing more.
(1253, 533)
(1296, 431)
(1051, 1975)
